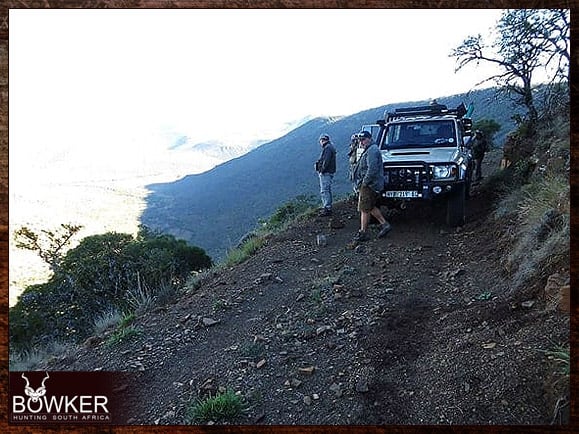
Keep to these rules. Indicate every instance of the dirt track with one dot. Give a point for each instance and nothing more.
(417, 328)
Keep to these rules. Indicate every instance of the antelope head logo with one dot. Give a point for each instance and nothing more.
(35, 395)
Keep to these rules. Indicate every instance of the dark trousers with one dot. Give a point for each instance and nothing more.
(477, 168)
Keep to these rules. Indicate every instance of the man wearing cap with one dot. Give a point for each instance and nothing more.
(369, 176)
(326, 168)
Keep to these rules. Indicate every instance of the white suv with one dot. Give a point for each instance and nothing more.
(426, 157)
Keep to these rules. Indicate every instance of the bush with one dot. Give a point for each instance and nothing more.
(542, 242)
(98, 275)
(42, 314)
(223, 406)
(243, 252)
(288, 212)
(536, 202)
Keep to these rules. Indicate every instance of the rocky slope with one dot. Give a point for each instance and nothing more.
(418, 328)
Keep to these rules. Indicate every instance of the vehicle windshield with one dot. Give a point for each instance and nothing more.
(424, 134)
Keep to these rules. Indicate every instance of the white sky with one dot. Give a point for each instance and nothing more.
(96, 80)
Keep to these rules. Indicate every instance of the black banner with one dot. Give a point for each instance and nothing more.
(51, 397)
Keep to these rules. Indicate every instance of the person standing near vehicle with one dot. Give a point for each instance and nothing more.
(369, 176)
(326, 168)
(353, 159)
(479, 148)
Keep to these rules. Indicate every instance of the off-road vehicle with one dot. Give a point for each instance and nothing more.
(426, 157)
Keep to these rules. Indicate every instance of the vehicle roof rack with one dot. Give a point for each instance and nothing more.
(426, 110)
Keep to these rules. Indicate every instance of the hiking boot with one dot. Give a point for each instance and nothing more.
(325, 212)
(361, 237)
(384, 229)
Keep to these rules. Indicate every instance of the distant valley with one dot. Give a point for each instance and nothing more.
(102, 191)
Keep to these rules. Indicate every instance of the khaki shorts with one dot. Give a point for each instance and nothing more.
(367, 199)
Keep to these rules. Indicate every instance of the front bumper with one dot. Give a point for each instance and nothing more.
(415, 182)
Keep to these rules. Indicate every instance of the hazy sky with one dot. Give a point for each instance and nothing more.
(95, 80)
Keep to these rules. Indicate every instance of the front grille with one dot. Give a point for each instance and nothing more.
(405, 177)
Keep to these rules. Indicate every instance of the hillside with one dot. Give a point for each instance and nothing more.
(422, 327)
(215, 209)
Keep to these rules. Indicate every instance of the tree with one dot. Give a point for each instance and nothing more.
(48, 244)
(527, 39)
(555, 38)
(100, 273)
(554, 35)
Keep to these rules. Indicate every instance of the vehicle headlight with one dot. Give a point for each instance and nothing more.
(444, 172)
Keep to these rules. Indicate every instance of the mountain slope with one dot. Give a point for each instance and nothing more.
(416, 328)
(215, 209)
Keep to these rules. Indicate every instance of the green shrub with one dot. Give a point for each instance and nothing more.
(103, 272)
(243, 252)
(124, 330)
(122, 335)
(223, 406)
(288, 212)
(45, 313)
(561, 355)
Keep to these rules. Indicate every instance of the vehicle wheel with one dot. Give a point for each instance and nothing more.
(455, 207)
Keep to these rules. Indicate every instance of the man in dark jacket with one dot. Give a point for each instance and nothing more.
(369, 176)
(326, 168)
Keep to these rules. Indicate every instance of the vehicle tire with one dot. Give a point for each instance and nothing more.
(455, 207)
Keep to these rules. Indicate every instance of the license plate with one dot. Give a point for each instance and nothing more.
(402, 194)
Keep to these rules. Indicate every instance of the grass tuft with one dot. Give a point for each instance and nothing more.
(223, 406)
(107, 320)
(540, 232)
(561, 355)
(124, 331)
(196, 279)
(243, 252)
(35, 359)
(141, 300)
